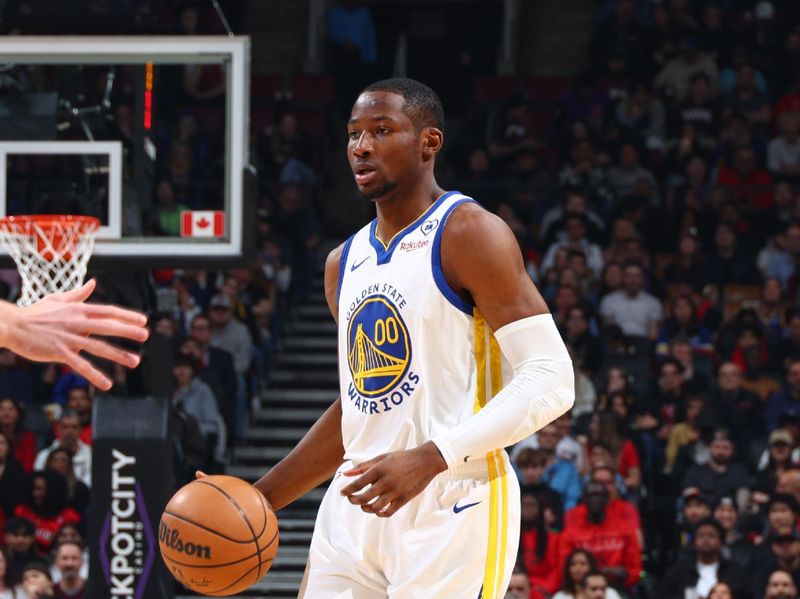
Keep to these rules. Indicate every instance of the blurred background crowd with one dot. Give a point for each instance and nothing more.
(656, 200)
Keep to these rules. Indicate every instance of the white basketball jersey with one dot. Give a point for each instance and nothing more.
(414, 359)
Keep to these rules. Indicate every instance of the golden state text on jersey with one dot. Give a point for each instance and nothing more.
(378, 351)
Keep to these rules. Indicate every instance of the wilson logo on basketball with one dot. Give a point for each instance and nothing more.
(171, 538)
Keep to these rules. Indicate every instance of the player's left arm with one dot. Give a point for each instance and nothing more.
(481, 260)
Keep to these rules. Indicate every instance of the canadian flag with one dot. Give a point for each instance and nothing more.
(202, 223)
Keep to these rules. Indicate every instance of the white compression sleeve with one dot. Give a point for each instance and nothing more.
(542, 389)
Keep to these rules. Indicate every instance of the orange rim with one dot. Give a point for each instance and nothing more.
(48, 220)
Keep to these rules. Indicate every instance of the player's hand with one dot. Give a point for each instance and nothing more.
(394, 478)
(60, 326)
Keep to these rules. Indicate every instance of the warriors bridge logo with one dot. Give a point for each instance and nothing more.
(378, 347)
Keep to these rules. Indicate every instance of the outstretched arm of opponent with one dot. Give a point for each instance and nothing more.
(481, 260)
(60, 326)
(320, 452)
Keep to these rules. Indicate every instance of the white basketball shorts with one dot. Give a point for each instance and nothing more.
(458, 539)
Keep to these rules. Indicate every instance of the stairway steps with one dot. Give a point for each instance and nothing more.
(298, 344)
(312, 328)
(296, 360)
(275, 416)
(298, 379)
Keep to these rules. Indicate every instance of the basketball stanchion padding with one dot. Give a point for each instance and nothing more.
(51, 251)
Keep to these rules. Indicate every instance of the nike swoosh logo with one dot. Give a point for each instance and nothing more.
(355, 266)
(458, 509)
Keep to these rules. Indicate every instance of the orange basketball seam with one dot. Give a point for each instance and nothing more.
(245, 517)
(206, 528)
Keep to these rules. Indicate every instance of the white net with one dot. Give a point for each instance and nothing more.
(51, 252)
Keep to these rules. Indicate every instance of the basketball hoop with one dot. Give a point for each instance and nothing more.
(51, 251)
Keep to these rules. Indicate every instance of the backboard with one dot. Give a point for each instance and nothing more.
(149, 134)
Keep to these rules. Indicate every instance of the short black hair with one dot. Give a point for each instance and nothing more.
(420, 103)
(713, 524)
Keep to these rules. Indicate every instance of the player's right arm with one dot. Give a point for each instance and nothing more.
(321, 451)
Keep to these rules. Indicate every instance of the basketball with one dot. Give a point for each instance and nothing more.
(218, 536)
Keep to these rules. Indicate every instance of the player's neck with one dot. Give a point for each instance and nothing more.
(398, 211)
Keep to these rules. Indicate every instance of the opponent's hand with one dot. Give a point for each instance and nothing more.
(60, 326)
(395, 479)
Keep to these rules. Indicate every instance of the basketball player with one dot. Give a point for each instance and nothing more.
(437, 317)
(59, 326)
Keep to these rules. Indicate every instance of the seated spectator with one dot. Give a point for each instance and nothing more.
(46, 507)
(783, 151)
(230, 334)
(606, 428)
(728, 264)
(538, 547)
(688, 267)
(614, 543)
(751, 185)
(736, 408)
(736, 548)
(68, 559)
(69, 533)
(694, 509)
(60, 460)
(782, 551)
(573, 201)
(79, 400)
(576, 239)
(634, 310)
(167, 218)
(619, 509)
(685, 431)
(20, 544)
(674, 78)
(23, 441)
(782, 511)
(519, 586)
(778, 457)
(8, 587)
(694, 381)
(36, 581)
(751, 354)
(530, 465)
(781, 261)
(583, 173)
(708, 567)
(557, 439)
(683, 322)
(285, 152)
(595, 586)
(560, 474)
(747, 99)
(13, 478)
(587, 348)
(624, 176)
(642, 114)
(198, 400)
(578, 565)
(721, 476)
(509, 132)
(70, 426)
(700, 108)
(788, 398)
(781, 585)
(789, 347)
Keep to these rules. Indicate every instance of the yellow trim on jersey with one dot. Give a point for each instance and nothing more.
(485, 389)
(496, 376)
(480, 361)
(490, 580)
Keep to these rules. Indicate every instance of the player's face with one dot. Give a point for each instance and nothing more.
(384, 146)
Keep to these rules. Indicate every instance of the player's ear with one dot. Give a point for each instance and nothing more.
(432, 139)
